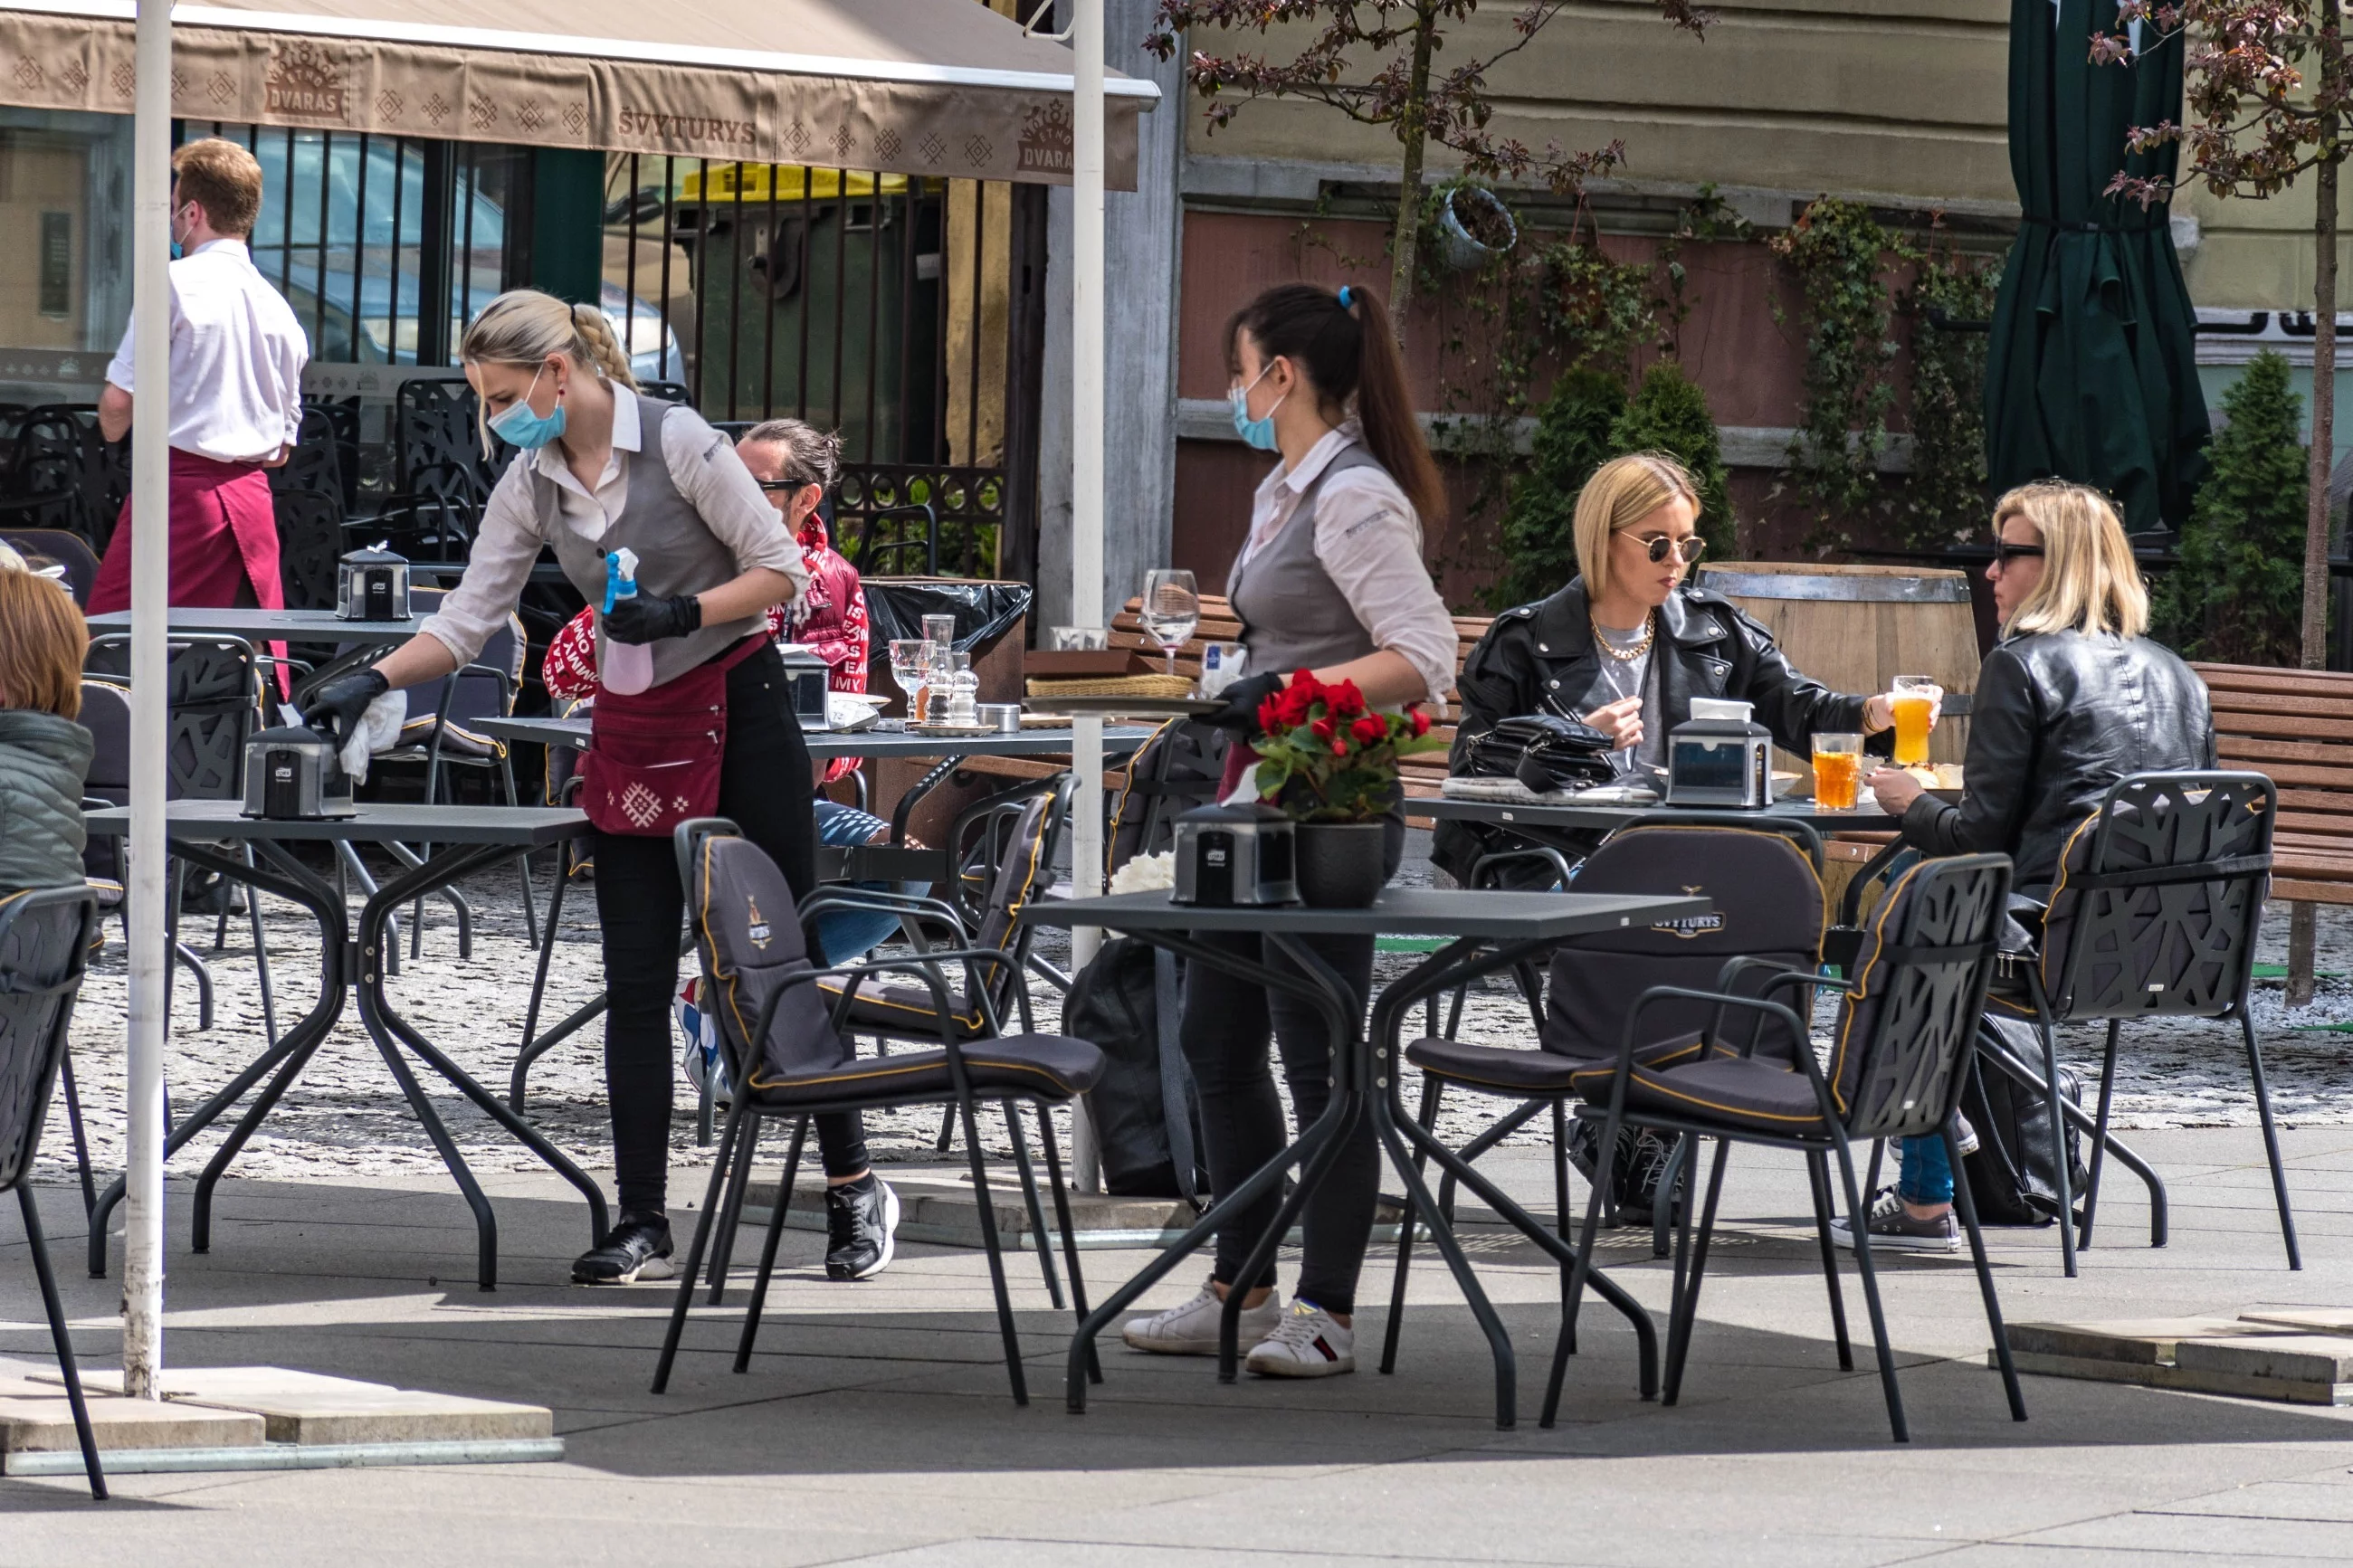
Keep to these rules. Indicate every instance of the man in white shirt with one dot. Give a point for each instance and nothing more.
(237, 356)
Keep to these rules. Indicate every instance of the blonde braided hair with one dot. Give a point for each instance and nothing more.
(595, 331)
(526, 326)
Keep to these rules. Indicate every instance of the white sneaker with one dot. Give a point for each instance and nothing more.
(1307, 1342)
(1192, 1328)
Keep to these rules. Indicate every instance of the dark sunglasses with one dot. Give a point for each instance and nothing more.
(772, 486)
(2004, 551)
(1659, 546)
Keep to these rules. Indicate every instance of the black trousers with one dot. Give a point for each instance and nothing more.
(1227, 1021)
(764, 786)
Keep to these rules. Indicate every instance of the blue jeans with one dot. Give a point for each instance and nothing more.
(847, 934)
(1928, 1173)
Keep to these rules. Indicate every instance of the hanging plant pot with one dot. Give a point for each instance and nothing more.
(1340, 864)
(1474, 227)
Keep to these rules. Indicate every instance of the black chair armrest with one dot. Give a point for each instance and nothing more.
(1656, 994)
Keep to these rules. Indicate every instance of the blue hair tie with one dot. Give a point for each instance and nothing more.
(1344, 296)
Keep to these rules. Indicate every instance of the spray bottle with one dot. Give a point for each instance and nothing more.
(625, 668)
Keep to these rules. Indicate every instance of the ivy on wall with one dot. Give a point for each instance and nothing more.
(1841, 256)
(1947, 497)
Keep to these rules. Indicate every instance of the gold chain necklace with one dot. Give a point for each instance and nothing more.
(1629, 656)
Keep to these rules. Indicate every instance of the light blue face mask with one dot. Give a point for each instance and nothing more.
(519, 427)
(1257, 433)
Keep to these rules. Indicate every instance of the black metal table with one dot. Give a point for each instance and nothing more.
(268, 625)
(1492, 930)
(1866, 816)
(466, 839)
(886, 862)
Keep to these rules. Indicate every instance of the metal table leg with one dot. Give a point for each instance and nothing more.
(292, 881)
(391, 1032)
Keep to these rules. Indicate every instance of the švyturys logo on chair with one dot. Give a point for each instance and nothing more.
(754, 925)
(1691, 929)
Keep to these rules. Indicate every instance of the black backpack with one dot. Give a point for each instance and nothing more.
(1127, 1001)
(2010, 1175)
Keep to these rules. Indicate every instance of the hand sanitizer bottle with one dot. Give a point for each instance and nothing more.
(627, 668)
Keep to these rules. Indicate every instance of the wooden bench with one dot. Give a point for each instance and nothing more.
(2295, 727)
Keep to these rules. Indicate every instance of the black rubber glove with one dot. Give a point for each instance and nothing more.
(337, 705)
(643, 619)
(1239, 717)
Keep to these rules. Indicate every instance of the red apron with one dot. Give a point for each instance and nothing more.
(224, 540)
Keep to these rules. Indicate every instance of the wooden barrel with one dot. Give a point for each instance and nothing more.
(1856, 628)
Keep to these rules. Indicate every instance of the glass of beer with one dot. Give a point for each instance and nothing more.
(1915, 700)
(1838, 772)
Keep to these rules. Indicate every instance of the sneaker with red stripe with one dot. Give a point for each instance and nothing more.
(1306, 1342)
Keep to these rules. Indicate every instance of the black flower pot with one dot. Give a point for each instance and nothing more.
(1341, 864)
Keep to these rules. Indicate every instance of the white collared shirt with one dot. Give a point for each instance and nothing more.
(237, 358)
(702, 465)
(1369, 542)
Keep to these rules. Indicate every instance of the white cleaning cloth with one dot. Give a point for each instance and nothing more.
(378, 730)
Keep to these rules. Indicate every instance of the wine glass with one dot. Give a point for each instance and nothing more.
(911, 667)
(1172, 609)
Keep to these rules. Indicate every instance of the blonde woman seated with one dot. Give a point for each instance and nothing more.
(1630, 642)
(2073, 698)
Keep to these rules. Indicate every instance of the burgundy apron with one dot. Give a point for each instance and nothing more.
(224, 541)
(653, 758)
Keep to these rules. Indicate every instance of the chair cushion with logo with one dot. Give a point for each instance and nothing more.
(1768, 904)
(751, 931)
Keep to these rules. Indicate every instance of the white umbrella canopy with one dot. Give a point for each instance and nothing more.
(945, 88)
(940, 87)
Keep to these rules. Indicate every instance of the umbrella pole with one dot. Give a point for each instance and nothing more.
(142, 1248)
(1087, 486)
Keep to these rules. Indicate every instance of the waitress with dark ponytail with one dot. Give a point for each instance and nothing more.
(1331, 580)
(603, 469)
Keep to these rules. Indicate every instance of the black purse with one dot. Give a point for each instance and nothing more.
(1544, 752)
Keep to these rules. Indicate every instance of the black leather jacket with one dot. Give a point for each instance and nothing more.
(2058, 717)
(1540, 658)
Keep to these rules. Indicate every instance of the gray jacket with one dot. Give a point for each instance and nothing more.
(43, 761)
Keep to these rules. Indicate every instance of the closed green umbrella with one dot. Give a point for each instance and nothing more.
(2093, 373)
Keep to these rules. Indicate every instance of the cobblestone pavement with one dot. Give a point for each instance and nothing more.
(346, 1118)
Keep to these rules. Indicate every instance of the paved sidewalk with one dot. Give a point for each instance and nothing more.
(874, 1426)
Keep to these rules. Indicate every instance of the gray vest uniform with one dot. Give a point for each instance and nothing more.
(1293, 615)
(676, 552)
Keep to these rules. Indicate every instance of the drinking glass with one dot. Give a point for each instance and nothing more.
(1914, 699)
(1171, 609)
(939, 629)
(1838, 772)
(911, 667)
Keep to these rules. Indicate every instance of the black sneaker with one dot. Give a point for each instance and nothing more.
(637, 1249)
(860, 1219)
(1891, 1227)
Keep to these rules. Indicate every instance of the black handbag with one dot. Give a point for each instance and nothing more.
(1544, 752)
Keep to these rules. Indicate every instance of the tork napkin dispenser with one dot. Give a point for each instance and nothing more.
(1720, 757)
(291, 776)
(371, 585)
(1229, 855)
(806, 679)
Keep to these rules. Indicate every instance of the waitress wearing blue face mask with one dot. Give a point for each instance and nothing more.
(602, 468)
(1331, 580)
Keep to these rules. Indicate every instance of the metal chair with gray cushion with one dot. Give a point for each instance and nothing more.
(44, 942)
(2155, 914)
(1898, 1057)
(1767, 890)
(789, 1059)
